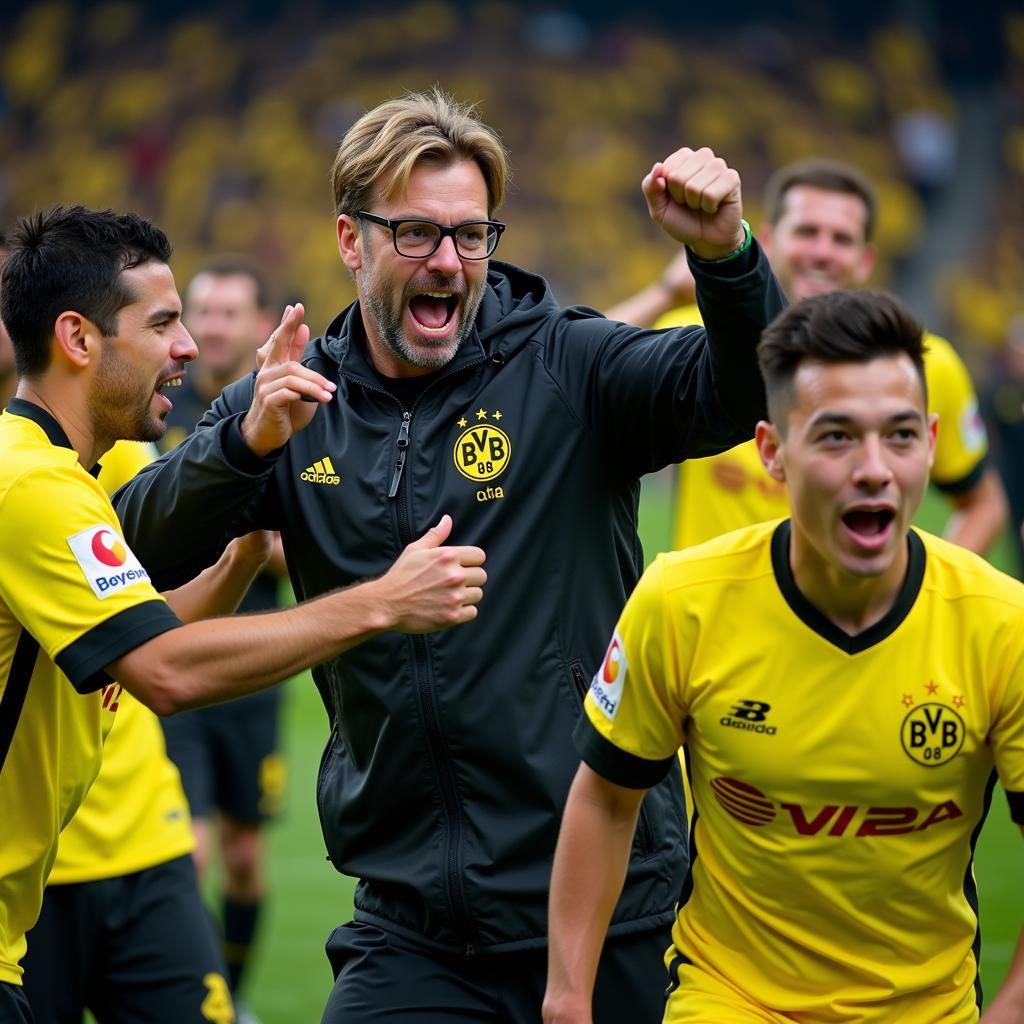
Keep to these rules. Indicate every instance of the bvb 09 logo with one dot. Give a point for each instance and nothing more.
(482, 452)
(932, 734)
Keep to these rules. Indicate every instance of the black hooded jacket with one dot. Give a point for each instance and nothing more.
(451, 754)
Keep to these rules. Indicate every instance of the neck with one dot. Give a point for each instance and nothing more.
(851, 602)
(210, 383)
(8, 387)
(73, 419)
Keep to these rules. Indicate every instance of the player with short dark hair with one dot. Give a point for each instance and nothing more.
(846, 690)
(77, 609)
(462, 382)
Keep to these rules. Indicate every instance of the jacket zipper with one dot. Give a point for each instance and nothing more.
(421, 677)
(402, 444)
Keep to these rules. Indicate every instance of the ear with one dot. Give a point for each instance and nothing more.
(864, 268)
(350, 242)
(766, 235)
(75, 337)
(933, 433)
(769, 447)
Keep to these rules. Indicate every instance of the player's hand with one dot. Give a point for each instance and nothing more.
(694, 196)
(282, 382)
(431, 586)
(253, 549)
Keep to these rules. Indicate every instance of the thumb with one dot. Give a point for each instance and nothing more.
(436, 535)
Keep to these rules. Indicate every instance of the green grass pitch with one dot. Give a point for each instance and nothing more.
(290, 978)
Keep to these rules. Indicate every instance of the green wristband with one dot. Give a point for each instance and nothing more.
(748, 237)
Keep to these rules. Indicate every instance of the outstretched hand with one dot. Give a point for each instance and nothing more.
(694, 196)
(282, 382)
(431, 586)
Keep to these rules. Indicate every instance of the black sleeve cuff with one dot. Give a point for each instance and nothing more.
(1016, 802)
(965, 483)
(84, 661)
(613, 763)
(238, 455)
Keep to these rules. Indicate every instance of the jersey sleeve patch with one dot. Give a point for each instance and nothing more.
(615, 764)
(84, 660)
(610, 678)
(106, 560)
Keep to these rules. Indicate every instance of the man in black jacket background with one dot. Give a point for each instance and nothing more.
(462, 387)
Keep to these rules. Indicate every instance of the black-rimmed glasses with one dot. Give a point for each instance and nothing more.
(418, 239)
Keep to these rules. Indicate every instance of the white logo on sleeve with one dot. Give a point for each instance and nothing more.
(606, 689)
(972, 428)
(106, 561)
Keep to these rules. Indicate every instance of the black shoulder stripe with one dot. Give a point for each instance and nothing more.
(970, 480)
(1016, 802)
(13, 700)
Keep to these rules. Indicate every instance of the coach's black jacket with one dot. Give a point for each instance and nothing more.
(450, 755)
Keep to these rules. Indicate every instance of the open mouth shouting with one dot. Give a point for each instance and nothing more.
(433, 313)
(869, 526)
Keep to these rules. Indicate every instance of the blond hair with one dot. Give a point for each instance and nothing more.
(386, 143)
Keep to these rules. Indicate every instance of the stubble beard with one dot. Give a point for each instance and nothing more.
(119, 402)
(387, 318)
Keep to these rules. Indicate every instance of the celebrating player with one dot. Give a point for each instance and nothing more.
(846, 690)
(94, 318)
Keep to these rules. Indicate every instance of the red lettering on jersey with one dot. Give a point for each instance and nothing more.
(111, 692)
(816, 824)
(943, 812)
(844, 819)
(888, 821)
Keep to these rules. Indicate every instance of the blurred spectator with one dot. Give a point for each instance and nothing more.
(1004, 409)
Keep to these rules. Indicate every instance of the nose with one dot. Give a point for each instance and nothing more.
(184, 348)
(445, 258)
(872, 471)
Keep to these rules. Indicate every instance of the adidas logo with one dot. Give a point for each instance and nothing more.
(321, 472)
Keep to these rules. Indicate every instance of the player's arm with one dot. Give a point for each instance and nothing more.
(676, 287)
(219, 589)
(429, 587)
(589, 869)
(979, 513)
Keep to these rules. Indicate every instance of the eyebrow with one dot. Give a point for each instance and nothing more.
(160, 315)
(843, 420)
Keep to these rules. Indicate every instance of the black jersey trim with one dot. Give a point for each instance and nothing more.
(615, 764)
(965, 483)
(1016, 802)
(825, 627)
(84, 661)
(37, 414)
(971, 887)
(22, 665)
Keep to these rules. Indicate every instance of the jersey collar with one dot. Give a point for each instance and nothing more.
(825, 627)
(53, 430)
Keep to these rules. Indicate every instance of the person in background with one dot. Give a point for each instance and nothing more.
(233, 772)
(820, 217)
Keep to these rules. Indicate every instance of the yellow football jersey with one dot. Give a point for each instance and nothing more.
(729, 491)
(135, 815)
(839, 781)
(69, 582)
